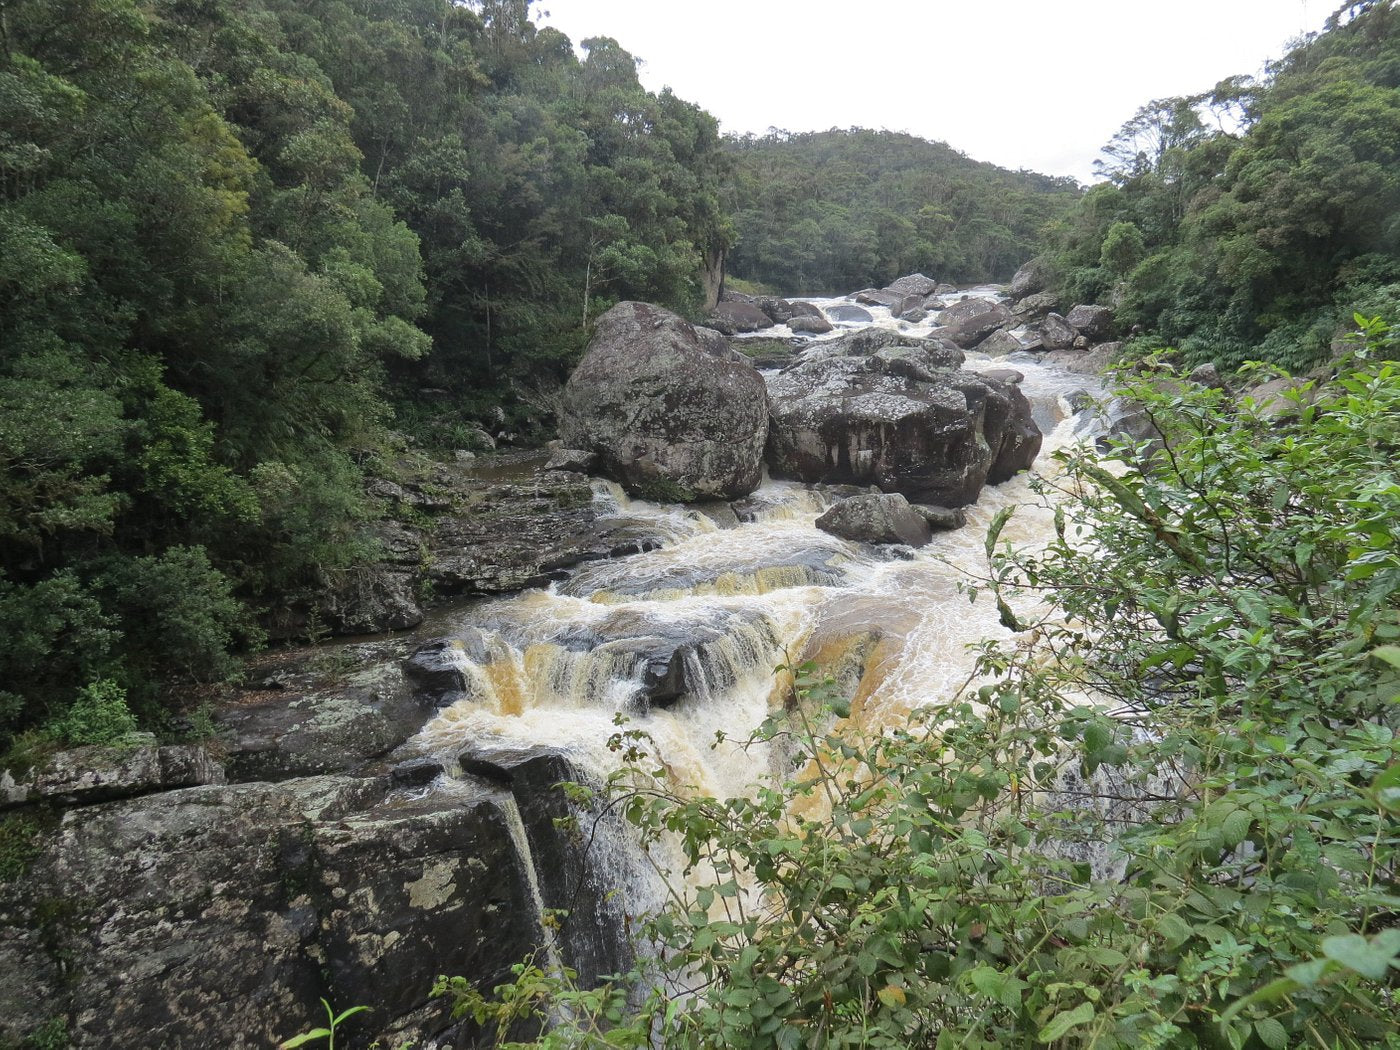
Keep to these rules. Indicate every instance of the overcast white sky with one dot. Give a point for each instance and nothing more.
(1038, 84)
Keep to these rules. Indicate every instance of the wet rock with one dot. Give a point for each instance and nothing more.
(879, 297)
(887, 345)
(883, 518)
(1033, 277)
(779, 311)
(842, 420)
(914, 315)
(805, 309)
(914, 284)
(941, 519)
(849, 313)
(576, 459)
(1005, 375)
(1037, 305)
(971, 332)
(945, 289)
(672, 412)
(731, 318)
(810, 325)
(1055, 334)
(1093, 322)
(998, 344)
(1093, 362)
(439, 670)
(416, 772)
(969, 308)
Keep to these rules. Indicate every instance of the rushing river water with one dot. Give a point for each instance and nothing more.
(561, 663)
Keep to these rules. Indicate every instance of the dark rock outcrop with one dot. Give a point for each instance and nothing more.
(672, 412)
(219, 915)
(1055, 334)
(1033, 277)
(854, 420)
(1093, 322)
(732, 318)
(886, 517)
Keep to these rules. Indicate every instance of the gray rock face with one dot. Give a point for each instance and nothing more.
(1029, 279)
(854, 420)
(734, 317)
(849, 313)
(998, 344)
(883, 518)
(84, 775)
(971, 331)
(1055, 334)
(671, 410)
(779, 311)
(810, 325)
(871, 341)
(1093, 322)
(914, 284)
(969, 308)
(576, 459)
(218, 915)
(1037, 305)
(941, 519)
(372, 599)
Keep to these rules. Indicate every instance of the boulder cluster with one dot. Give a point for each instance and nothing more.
(671, 412)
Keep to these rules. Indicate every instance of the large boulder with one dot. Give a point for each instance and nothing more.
(999, 344)
(914, 284)
(865, 421)
(884, 517)
(1033, 277)
(801, 308)
(732, 318)
(1093, 322)
(779, 311)
(1037, 305)
(969, 308)
(1055, 333)
(850, 313)
(808, 325)
(672, 412)
(971, 331)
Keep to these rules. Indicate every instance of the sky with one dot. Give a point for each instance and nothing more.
(1036, 84)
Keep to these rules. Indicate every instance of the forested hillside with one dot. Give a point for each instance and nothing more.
(1249, 221)
(238, 239)
(833, 211)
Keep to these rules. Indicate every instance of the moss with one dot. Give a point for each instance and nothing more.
(666, 490)
(21, 841)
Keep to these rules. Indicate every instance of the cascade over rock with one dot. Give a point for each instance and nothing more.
(936, 439)
(671, 411)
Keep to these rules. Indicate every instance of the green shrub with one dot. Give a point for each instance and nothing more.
(98, 716)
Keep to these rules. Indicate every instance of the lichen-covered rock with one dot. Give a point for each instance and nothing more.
(672, 412)
(101, 773)
(877, 518)
(966, 309)
(810, 325)
(970, 332)
(219, 915)
(854, 420)
(1030, 278)
(732, 318)
(998, 344)
(914, 284)
(1093, 322)
(1037, 305)
(1055, 334)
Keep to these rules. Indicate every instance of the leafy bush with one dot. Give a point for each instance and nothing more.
(98, 716)
(1168, 819)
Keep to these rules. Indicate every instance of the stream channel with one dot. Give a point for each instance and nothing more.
(725, 602)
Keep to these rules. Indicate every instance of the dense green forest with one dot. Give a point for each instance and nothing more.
(238, 238)
(833, 211)
(1248, 221)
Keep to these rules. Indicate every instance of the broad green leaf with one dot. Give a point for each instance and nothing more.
(1063, 1022)
(1271, 1033)
(892, 996)
(306, 1037)
(1368, 958)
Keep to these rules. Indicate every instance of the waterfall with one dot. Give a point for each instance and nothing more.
(681, 641)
